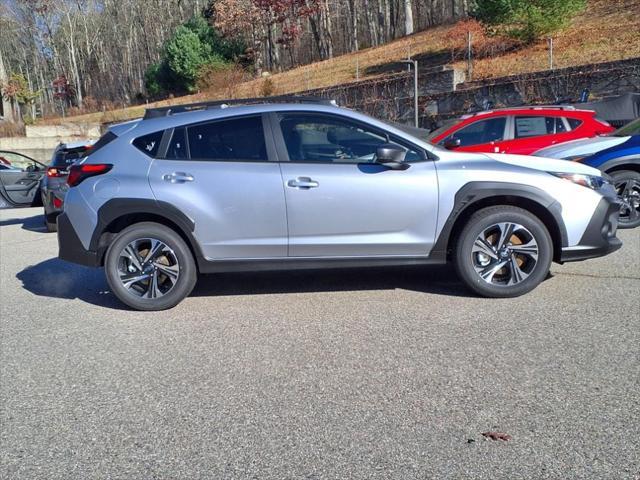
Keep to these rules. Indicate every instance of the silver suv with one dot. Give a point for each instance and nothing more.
(301, 183)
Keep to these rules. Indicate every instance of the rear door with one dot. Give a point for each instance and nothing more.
(220, 175)
(19, 179)
(530, 133)
(340, 203)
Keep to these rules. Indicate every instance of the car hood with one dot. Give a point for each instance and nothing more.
(544, 164)
(581, 147)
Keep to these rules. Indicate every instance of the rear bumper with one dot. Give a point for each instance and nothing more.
(599, 238)
(70, 247)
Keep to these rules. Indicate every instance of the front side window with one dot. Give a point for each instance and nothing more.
(325, 138)
(533, 126)
(240, 139)
(483, 131)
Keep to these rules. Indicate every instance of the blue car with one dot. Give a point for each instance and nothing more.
(616, 154)
(622, 163)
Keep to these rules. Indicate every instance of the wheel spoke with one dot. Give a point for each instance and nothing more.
(490, 270)
(128, 280)
(506, 231)
(517, 274)
(482, 246)
(171, 271)
(529, 249)
(132, 254)
(153, 290)
(156, 248)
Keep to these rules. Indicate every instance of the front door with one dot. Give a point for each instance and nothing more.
(19, 179)
(340, 203)
(218, 173)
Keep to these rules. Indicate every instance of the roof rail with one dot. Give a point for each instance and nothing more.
(523, 107)
(190, 107)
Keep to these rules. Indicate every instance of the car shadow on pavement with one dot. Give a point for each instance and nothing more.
(56, 278)
(32, 224)
(437, 280)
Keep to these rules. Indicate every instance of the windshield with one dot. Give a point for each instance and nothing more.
(632, 128)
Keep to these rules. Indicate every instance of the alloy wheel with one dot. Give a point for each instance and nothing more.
(148, 268)
(628, 190)
(505, 254)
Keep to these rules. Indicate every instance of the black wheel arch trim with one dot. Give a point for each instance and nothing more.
(630, 160)
(473, 192)
(117, 208)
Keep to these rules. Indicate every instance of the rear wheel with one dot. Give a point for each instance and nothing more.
(50, 222)
(627, 185)
(149, 267)
(503, 251)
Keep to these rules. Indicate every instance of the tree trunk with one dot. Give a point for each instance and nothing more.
(408, 18)
(7, 109)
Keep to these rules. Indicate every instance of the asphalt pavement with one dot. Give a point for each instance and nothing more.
(384, 373)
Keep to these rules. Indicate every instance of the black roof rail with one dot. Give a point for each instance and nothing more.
(189, 107)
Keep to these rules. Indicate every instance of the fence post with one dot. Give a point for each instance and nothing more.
(550, 53)
(469, 56)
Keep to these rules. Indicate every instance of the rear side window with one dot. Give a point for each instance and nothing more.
(240, 139)
(534, 126)
(574, 123)
(149, 144)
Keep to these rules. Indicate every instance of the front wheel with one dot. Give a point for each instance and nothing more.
(503, 251)
(150, 267)
(627, 185)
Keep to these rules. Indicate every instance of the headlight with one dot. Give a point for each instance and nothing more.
(590, 181)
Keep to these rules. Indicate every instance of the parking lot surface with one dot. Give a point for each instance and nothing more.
(382, 373)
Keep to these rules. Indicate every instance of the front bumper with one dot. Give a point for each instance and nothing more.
(70, 247)
(599, 238)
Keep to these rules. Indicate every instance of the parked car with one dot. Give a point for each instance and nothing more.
(20, 177)
(301, 183)
(54, 184)
(521, 130)
(616, 154)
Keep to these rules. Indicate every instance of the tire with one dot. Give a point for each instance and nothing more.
(51, 224)
(132, 278)
(527, 245)
(627, 184)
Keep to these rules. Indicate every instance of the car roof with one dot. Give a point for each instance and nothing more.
(534, 109)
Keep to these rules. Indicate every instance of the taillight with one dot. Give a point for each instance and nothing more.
(79, 173)
(54, 172)
(57, 202)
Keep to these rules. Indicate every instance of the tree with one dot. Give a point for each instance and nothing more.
(527, 20)
(18, 93)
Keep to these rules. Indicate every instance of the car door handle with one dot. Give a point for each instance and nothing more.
(178, 177)
(303, 182)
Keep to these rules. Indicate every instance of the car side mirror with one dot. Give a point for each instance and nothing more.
(451, 143)
(391, 156)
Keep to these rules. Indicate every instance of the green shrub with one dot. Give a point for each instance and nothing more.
(527, 20)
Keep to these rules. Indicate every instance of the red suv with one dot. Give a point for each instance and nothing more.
(521, 130)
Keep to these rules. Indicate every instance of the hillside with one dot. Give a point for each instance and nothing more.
(586, 40)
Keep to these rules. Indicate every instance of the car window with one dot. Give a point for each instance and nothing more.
(15, 161)
(533, 126)
(483, 131)
(574, 123)
(239, 139)
(178, 145)
(68, 156)
(326, 138)
(148, 144)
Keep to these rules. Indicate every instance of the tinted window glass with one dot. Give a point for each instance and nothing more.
(67, 157)
(324, 138)
(104, 140)
(484, 131)
(574, 123)
(149, 144)
(233, 139)
(533, 126)
(178, 145)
